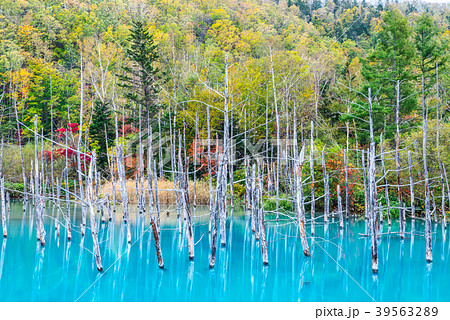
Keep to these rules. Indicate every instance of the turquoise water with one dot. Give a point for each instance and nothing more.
(65, 271)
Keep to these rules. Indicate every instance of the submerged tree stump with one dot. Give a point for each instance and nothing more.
(428, 235)
(2, 194)
(184, 188)
(217, 203)
(326, 209)
(300, 210)
(157, 243)
(93, 225)
(341, 218)
(311, 167)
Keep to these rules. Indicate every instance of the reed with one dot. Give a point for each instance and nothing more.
(166, 194)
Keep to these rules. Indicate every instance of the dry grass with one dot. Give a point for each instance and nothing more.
(166, 194)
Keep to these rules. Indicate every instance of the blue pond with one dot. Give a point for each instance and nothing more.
(339, 268)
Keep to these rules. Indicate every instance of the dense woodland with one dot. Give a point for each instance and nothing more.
(165, 65)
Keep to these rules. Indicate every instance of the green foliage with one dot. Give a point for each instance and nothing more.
(431, 53)
(393, 203)
(270, 204)
(390, 62)
(141, 80)
(15, 189)
(319, 53)
(100, 128)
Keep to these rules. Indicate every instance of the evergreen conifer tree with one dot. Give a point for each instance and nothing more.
(392, 60)
(101, 124)
(141, 80)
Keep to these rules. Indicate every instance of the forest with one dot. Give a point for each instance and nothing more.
(294, 110)
(62, 58)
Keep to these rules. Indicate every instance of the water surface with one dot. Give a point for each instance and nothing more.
(339, 268)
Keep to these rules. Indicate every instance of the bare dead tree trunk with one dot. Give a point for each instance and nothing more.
(433, 205)
(326, 209)
(226, 158)
(253, 198)
(156, 197)
(346, 185)
(217, 204)
(149, 170)
(160, 149)
(341, 218)
(67, 217)
(311, 166)
(397, 161)
(363, 164)
(262, 228)
(178, 197)
(123, 190)
(231, 163)
(108, 207)
(183, 184)
(156, 238)
(441, 171)
(93, 225)
(79, 172)
(195, 161)
(299, 199)
(19, 135)
(58, 203)
(2, 193)
(372, 191)
(40, 223)
(386, 186)
(411, 187)
(111, 172)
(278, 134)
(428, 236)
(211, 196)
(36, 162)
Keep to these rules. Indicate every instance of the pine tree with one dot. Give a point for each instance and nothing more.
(315, 5)
(390, 62)
(101, 124)
(430, 52)
(142, 80)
